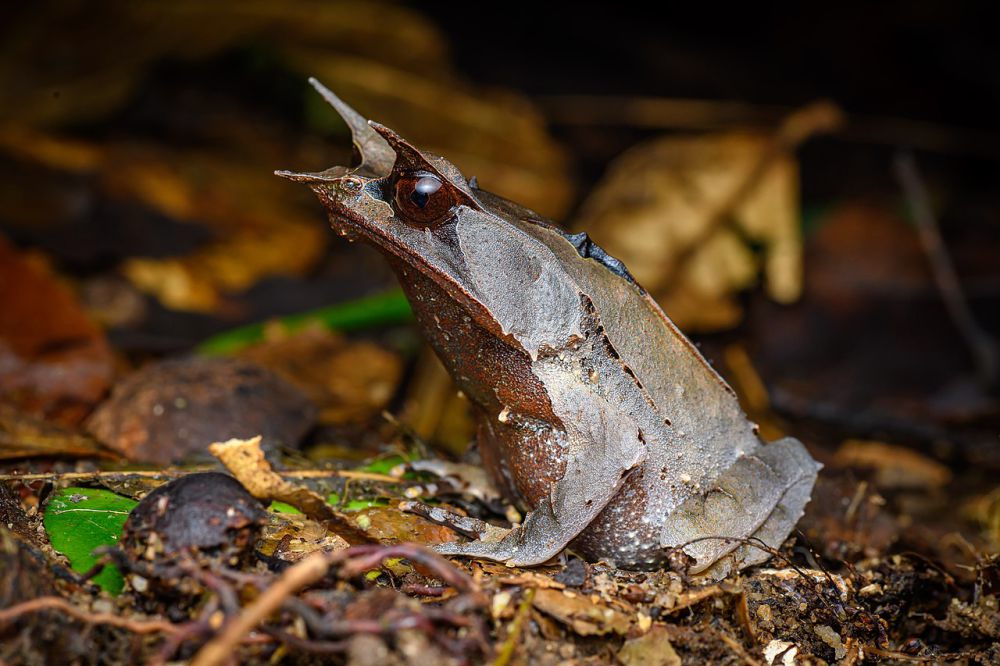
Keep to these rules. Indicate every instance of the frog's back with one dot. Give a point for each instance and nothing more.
(705, 472)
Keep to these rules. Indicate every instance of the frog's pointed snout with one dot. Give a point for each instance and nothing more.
(299, 177)
(312, 177)
(374, 153)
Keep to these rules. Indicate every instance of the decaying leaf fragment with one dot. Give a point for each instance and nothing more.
(23, 436)
(54, 361)
(683, 213)
(581, 614)
(651, 649)
(245, 459)
(658, 198)
(349, 381)
(170, 410)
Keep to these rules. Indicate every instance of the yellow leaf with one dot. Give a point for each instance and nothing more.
(662, 209)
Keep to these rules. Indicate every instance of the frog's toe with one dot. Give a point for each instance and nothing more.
(486, 550)
(513, 550)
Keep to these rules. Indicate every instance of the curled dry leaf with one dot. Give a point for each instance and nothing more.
(23, 436)
(245, 459)
(381, 55)
(173, 409)
(290, 537)
(274, 236)
(584, 616)
(54, 361)
(651, 649)
(658, 199)
(895, 466)
(349, 381)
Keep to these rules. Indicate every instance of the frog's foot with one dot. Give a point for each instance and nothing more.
(512, 548)
(524, 545)
(757, 500)
(470, 527)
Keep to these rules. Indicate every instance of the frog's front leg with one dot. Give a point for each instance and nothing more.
(593, 458)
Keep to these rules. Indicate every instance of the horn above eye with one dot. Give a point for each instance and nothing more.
(421, 198)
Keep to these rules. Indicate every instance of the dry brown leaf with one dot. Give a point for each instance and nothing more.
(895, 466)
(651, 649)
(169, 410)
(198, 282)
(658, 198)
(270, 236)
(54, 361)
(244, 458)
(582, 615)
(22, 436)
(349, 381)
(528, 579)
(388, 524)
(260, 228)
(290, 537)
(387, 60)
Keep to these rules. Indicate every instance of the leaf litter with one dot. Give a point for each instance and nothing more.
(893, 562)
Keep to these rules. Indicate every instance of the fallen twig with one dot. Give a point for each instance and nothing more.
(313, 568)
(172, 474)
(87, 616)
(983, 347)
(514, 633)
(665, 113)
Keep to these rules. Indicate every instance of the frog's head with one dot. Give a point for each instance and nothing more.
(404, 201)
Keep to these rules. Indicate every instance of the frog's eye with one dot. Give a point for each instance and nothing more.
(422, 198)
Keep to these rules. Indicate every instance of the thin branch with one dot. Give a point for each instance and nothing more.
(294, 474)
(981, 345)
(934, 658)
(89, 617)
(662, 113)
(514, 633)
(311, 569)
(306, 572)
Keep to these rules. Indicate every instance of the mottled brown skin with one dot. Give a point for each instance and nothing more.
(595, 413)
(492, 373)
(518, 455)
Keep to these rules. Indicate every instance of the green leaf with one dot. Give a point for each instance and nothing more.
(359, 504)
(390, 307)
(78, 520)
(388, 463)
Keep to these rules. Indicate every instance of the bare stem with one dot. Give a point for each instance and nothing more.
(87, 616)
(981, 345)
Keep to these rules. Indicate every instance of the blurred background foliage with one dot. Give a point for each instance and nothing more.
(739, 161)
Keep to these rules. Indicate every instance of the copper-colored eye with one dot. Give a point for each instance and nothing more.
(422, 198)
